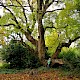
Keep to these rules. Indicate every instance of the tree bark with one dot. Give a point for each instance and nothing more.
(58, 50)
(41, 42)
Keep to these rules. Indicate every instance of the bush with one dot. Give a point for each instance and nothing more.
(5, 65)
(20, 57)
(71, 59)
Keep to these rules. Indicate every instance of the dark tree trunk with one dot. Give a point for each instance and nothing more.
(41, 42)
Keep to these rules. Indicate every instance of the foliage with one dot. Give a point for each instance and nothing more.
(68, 22)
(51, 42)
(19, 56)
(5, 65)
(71, 58)
(2, 34)
(78, 5)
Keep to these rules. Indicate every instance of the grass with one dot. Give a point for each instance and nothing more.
(63, 72)
(5, 70)
(8, 71)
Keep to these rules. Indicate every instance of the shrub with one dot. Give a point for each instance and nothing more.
(20, 57)
(71, 59)
(5, 65)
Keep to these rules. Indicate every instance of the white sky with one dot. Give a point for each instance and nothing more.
(1, 11)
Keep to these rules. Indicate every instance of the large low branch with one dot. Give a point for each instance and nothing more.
(31, 39)
(70, 41)
(58, 50)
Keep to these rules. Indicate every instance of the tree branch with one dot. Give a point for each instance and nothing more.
(23, 10)
(28, 36)
(17, 6)
(20, 37)
(47, 4)
(69, 43)
(31, 39)
(14, 18)
(22, 19)
(31, 7)
(74, 39)
(55, 10)
(8, 24)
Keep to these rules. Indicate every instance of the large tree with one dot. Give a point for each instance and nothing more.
(26, 16)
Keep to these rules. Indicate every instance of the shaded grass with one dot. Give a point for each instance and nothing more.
(9, 71)
(62, 71)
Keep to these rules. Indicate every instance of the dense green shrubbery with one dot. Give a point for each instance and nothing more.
(19, 56)
(71, 59)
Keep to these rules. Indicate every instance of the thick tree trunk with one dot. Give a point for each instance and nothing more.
(41, 42)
